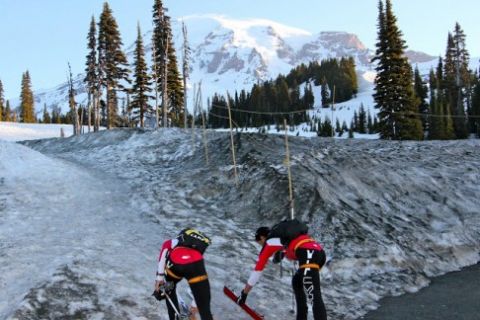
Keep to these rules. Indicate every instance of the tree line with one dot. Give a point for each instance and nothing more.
(446, 106)
(143, 90)
(289, 96)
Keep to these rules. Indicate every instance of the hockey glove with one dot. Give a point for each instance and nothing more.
(242, 298)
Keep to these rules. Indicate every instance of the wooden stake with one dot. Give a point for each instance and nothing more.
(231, 139)
(333, 109)
(200, 105)
(287, 160)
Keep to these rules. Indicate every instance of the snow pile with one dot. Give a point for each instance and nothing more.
(390, 215)
(14, 131)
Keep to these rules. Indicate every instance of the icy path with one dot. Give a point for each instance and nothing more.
(67, 235)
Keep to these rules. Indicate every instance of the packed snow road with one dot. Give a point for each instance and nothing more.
(390, 215)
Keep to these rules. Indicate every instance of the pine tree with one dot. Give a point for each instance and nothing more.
(167, 75)
(112, 62)
(394, 94)
(8, 112)
(140, 90)
(91, 79)
(26, 100)
(175, 82)
(421, 94)
(457, 79)
(475, 115)
(46, 115)
(369, 122)
(350, 131)
(355, 121)
(362, 120)
(325, 93)
(435, 125)
(2, 107)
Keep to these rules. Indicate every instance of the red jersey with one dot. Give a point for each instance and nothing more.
(273, 245)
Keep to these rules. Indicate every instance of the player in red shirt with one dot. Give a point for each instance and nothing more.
(177, 261)
(305, 282)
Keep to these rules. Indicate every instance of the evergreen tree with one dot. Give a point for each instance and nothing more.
(167, 75)
(46, 115)
(362, 120)
(112, 62)
(350, 131)
(457, 79)
(91, 79)
(394, 94)
(355, 121)
(435, 120)
(2, 107)
(56, 116)
(26, 100)
(141, 88)
(8, 112)
(421, 94)
(308, 98)
(175, 82)
(344, 127)
(369, 122)
(475, 115)
(338, 128)
(325, 93)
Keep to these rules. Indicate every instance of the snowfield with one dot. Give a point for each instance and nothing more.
(16, 131)
(82, 218)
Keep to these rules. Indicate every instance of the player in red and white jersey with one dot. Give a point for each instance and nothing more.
(305, 282)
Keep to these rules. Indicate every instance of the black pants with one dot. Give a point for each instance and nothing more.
(195, 274)
(306, 284)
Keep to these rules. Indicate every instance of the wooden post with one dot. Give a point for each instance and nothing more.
(200, 105)
(231, 140)
(195, 104)
(287, 162)
(333, 109)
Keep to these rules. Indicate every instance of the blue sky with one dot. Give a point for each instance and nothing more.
(43, 35)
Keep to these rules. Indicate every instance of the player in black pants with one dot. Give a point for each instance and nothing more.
(306, 283)
(177, 261)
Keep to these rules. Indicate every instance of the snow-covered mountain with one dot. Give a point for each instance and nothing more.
(229, 55)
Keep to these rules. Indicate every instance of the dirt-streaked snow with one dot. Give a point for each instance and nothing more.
(81, 223)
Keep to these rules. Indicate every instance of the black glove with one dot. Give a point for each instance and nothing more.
(159, 295)
(168, 286)
(277, 258)
(243, 297)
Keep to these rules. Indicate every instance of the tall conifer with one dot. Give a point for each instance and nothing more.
(112, 62)
(141, 87)
(8, 111)
(91, 79)
(394, 94)
(457, 79)
(27, 112)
